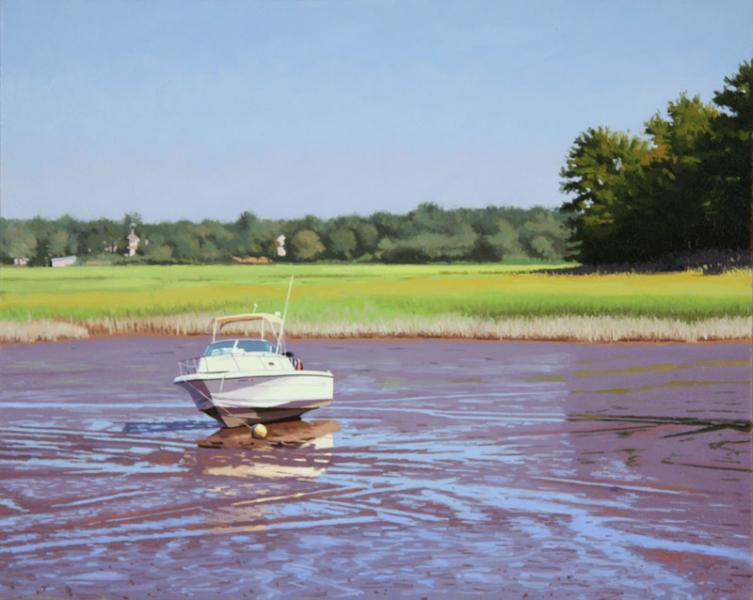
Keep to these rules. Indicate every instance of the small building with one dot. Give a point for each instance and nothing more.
(63, 261)
(133, 242)
(21, 261)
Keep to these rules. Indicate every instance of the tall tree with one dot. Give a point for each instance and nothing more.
(731, 161)
(671, 205)
(600, 171)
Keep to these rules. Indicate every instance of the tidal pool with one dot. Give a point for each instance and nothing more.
(443, 469)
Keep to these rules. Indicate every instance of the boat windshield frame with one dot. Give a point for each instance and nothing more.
(231, 345)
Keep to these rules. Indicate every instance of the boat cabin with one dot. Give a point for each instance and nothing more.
(246, 354)
(222, 358)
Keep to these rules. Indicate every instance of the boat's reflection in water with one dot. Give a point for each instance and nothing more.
(292, 449)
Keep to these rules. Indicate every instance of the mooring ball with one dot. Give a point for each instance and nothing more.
(259, 431)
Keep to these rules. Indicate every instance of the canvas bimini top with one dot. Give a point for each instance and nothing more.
(272, 323)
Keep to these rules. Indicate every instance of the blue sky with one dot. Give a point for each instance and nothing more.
(180, 109)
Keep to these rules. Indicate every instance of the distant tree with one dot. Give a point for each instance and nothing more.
(72, 227)
(185, 243)
(18, 241)
(506, 240)
(393, 226)
(542, 248)
(57, 243)
(158, 253)
(253, 237)
(342, 243)
(429, 247)
(428, 217)
(209, 252)
(101, 235)
(368, 237)
(246, 221)
(429, 233)
(485, 251)
(544, 224)
(483, 221)
(132, 220)
(403, 253)
(309, 222)
(307, 245)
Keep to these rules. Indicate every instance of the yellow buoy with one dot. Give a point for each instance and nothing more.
(259, 431)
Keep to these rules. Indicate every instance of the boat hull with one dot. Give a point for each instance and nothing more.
(245, 399)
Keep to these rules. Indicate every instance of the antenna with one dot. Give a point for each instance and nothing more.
(284, 315)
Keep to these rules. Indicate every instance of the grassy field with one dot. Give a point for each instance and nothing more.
(338, 297)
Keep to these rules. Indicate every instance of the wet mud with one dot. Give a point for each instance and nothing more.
(441, 470)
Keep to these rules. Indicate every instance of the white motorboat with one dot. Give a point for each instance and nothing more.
(242, 381)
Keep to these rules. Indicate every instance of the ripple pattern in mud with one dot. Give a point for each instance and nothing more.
(442, 469)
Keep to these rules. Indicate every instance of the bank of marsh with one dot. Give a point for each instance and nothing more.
(492, 301)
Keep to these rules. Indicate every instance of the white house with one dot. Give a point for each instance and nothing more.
(133, 242)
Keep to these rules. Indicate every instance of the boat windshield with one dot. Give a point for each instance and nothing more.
(256, 346)
(219, 348)
(228, 346)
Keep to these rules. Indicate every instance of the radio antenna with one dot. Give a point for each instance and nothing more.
(285, 314)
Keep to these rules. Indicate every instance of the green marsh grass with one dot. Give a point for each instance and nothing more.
(372, 299)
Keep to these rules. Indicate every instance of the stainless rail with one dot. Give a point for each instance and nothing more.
(188, 366)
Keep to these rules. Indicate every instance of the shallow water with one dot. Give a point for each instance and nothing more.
(442, 469)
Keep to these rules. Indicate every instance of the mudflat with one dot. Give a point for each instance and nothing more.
(442, 469)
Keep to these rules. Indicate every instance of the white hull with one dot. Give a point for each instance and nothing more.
(245, 398)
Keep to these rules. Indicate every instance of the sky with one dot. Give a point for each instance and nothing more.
(196, 109)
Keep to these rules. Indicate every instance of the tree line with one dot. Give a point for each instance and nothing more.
(428, 233)
(685, 186)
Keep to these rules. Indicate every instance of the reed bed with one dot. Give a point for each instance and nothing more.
(41, 331)
(565, 328)
(558, 328)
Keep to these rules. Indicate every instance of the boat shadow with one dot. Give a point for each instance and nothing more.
(235, 453)
(294, 433)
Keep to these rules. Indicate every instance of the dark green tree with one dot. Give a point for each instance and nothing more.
(485, 251)
(669, 207)
(730, 163)
(600, 174)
